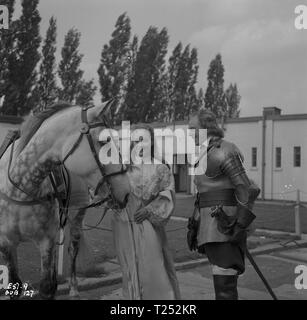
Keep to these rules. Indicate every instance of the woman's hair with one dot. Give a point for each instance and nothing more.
(147, 127)
(207, 120)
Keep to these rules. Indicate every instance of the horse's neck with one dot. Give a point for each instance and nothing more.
(29, 171)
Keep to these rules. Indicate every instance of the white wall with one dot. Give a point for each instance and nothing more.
(246, 135)
(287, 134)
(280, 184)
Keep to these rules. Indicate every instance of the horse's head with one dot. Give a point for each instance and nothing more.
(80, 153)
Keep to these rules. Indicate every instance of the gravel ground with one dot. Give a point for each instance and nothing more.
(276, 217)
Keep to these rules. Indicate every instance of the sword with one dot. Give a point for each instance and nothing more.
(260, 274)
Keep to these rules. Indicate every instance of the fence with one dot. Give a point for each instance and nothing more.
(297, 212)
(294, 206)
(297, 204)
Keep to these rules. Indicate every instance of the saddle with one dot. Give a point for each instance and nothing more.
(59, 177)
(11, 136)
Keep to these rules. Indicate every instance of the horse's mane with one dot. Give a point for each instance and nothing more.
(34, 121)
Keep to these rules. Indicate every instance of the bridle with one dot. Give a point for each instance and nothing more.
(85, 129)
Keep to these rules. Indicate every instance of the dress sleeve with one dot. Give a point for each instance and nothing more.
(162, 207)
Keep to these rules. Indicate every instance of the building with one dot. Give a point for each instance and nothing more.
(275, 153)
(274, 148)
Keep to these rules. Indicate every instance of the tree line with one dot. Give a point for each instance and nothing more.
(148, 86)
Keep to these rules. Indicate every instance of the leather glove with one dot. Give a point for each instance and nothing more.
(193, 226)
(239, 234)
(244, 218)
(225, 223)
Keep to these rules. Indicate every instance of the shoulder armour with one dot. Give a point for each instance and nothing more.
(217, 155)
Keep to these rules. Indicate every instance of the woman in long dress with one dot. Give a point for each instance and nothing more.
(140, 238)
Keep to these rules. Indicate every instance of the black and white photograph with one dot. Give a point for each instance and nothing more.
(153, 150)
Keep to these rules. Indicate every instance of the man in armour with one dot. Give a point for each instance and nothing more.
(222, 214)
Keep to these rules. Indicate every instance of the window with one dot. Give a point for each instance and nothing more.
(278, 157)
(254, 157)
(297, 157)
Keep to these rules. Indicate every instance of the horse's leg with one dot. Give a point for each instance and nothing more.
(9, 253)
(48, 283)
(74, 245)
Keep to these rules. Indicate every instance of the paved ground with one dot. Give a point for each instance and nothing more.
(100, 250)
(196, 283)
(272, 215)
(195, 280)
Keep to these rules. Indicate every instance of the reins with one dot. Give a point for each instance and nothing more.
(64, 204)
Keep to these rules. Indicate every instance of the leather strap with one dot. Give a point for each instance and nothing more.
(224, 197)
(3, 196)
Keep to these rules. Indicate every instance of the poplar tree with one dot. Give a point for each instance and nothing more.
(69, 68)
(143, 92)
(183, 71)
(46, 89)
(21, 64)
(87, 91)
(115, 63)
(7, 38)
(214, 97)
(233, 100)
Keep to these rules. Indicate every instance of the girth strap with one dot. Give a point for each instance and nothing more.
(224, 197)
(26, 202)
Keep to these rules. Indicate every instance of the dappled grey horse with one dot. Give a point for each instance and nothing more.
(61, 135)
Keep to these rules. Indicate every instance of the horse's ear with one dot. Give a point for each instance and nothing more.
(107, 107)
(103, 109)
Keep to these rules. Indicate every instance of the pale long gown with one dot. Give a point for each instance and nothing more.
(142, 249)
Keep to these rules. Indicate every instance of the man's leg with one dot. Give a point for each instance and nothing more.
(225, 283)
(227, 260)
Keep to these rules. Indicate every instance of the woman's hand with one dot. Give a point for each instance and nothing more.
(141, 215)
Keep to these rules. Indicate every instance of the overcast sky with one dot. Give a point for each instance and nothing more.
(261, 49)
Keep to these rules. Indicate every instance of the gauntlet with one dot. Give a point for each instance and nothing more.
(244, 218)
(225, 223)
(193, 226)
(233, 226)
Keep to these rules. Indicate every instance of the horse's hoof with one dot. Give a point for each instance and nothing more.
(47, 290)
(46, 296)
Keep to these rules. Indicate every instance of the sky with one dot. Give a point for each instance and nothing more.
(261, 49)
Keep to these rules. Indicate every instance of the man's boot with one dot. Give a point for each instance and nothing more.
(225, 287)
